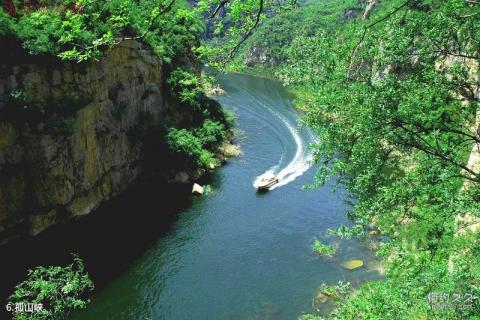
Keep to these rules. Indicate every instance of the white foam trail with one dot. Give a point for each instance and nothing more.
(300, 163)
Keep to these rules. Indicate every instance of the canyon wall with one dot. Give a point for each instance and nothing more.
(46, 177)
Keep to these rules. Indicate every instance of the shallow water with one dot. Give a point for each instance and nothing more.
(236, 253)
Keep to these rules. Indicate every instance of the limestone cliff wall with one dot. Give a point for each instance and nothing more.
(47, 178)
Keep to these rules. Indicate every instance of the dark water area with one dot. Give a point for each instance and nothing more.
(108, 241)
(233, 254)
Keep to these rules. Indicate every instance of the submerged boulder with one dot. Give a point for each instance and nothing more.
(321, 298)
(352, 264)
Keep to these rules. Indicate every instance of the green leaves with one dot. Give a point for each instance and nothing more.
(81, 30)
(395, 122)
(197, 144)
(323, 249)
(59, 289)
(187, 87)
(233, 23)
(184, 142)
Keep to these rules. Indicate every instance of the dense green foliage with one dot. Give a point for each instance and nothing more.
(274, 36)
(393, 99)
(197, 143)
(59, 290)
(83, 29)
(234, 22)
(394, 104)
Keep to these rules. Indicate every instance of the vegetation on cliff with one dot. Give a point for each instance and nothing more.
(396, 96)
(234, 23)
(269, 44)
(85, 30)
(197, 144)
(80, 30)
(49, 37)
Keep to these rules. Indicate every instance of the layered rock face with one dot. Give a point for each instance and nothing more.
(259, 56)
(47, 178)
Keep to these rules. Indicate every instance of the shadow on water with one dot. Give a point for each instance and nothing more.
(107, 240)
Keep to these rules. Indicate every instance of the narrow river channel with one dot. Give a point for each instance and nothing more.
(238, 254)
(155, 254)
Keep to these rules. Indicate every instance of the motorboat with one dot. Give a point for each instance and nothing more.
(267, 181)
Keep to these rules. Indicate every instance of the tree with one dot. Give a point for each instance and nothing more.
(237, 25)
(394, 101)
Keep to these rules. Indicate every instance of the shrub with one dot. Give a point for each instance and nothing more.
(60, 290)
(187, 87)
(82, 30)
(6, 24)
(211, 132)
(186, 143)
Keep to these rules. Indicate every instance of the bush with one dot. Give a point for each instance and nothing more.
(211, 132)
(60, 290)
(184, 142)
(187, 87)
(197, 144)
(6, 24)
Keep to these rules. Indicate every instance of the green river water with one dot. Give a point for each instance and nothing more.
(234, 254)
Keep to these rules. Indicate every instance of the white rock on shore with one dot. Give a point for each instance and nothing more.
(197, 189)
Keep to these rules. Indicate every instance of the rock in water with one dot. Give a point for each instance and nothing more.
(352, 264)
(197, 189)
(321, 298)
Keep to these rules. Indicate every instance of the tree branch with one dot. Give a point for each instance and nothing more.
(249, 32)
(220, 6)
(153, 19)
(371, 25)
(429, 149)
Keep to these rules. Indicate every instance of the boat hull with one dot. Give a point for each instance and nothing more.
(268, 184)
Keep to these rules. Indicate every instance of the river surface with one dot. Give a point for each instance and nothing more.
(236, 253)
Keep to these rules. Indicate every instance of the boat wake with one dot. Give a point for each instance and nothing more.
(300, 163)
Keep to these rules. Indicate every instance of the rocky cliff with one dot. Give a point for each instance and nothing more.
(46, 178)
